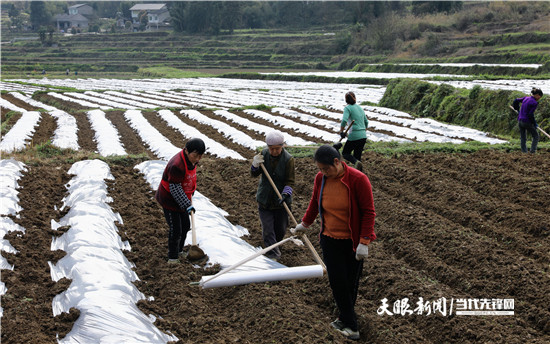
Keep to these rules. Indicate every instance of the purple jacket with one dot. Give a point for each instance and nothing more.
(527, 111)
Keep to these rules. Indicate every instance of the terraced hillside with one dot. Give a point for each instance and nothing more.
(130, 51)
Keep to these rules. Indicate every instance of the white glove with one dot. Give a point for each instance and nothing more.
(258, 159)
(299, 230)
(361, 252)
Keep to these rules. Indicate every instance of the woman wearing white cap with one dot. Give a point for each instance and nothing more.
(280, 166)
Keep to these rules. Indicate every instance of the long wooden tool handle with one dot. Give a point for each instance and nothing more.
(544, 132)
(247, 259)
(347, 129)
(304, 237)
(193, 233)
(539, 128)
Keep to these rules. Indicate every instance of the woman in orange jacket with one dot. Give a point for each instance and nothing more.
(342, 196)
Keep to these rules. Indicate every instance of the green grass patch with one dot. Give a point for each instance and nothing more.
(7, 123)
(261, 107)
(169, 72)
(397, 149)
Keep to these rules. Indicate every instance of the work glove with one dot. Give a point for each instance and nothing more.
(299, 230)
(284, 198)
(361, 252)
(343, 135)
(257, 160)
(190, 210)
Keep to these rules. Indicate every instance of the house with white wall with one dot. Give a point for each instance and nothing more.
(158, 15)
(78, 17)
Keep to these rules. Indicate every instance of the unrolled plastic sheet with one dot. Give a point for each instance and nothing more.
(102, 287)
(216, 236)
(246, 277)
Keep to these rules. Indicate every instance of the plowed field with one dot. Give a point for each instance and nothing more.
(472, 226)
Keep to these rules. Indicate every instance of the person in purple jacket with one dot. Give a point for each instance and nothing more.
(526, 119)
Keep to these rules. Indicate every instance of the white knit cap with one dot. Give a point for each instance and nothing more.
(274, 138)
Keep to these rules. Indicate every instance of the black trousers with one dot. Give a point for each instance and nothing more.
(355, 147)
(344, 272)
(274, 224)
(178, 226)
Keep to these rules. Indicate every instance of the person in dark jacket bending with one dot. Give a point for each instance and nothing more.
(280, 166)
(342, 196)
(175, 192)
(526, 119)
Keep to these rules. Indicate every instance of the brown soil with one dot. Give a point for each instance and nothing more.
(453, 226)
(19, 103)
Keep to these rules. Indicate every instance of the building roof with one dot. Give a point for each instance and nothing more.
(147, 7)
(79, 5)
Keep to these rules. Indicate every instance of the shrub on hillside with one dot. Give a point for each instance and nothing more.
(478, 108)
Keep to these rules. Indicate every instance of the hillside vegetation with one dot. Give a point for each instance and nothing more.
(477, 108)
(383, 34)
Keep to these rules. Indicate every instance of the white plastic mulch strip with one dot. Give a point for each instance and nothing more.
(99, 100)
(216, 236)
(6, 104)
(155, 99)
(371, 75)
(260, 128)
(299, 127)
(65, 136)
(10, 86)
(206, 100)
(223, 98)
(226, 130)
(162, 96)
(157, 143)
(429, 125)
(523, 85)
(371, 135)
(22, 131)
(106, 135)
(101, 287)
(10, 172)
(192, 101)
(133, 104)
(32, 102)
(333, 126)
(79, 101)
(142, 98)
(212, 147)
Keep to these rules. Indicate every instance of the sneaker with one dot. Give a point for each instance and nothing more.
(183, 254)
(348, 333)
(337, 324)
(358, 165)
(272, 256)
(173, 261)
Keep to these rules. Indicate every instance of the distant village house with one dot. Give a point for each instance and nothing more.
(158, 15)
(78, 17)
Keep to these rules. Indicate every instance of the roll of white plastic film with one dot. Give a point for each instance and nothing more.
(259, 276)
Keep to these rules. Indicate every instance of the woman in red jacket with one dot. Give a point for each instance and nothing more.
(343, 197)
(175, 192)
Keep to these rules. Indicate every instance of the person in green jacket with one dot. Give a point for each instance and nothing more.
(357, 135)
(280, 166)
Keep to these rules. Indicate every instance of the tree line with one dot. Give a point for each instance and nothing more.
(225, 16)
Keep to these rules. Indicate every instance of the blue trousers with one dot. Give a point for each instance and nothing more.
(524, 128)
